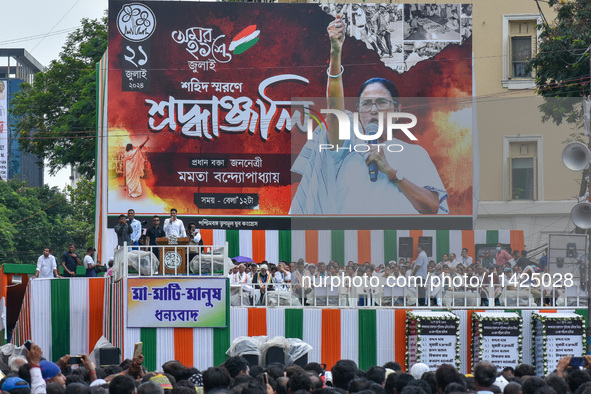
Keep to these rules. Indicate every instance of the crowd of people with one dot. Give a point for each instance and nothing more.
(485, 279)
(34, 375)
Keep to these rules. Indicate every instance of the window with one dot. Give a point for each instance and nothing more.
(520, 37)
(520, 55)
(522, 177)
(522, 41)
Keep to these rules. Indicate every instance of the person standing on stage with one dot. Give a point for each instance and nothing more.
(46, 265)
(89, 263)
(70, 261)
(420, 270)
(194, 234)
(136, 227)
(123, 230)
(174, 226)
(154, 232)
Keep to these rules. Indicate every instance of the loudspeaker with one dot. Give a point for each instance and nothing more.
(109, 356)
(427, 243)
(576, 156)
(275, 355)
(302, 361)
(405, 247)
(251, 359)
(580, 215)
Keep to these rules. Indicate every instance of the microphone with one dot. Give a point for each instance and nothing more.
(372, 128)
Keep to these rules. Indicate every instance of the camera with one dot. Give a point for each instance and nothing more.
(100, 268)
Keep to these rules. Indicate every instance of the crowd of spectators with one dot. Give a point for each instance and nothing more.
(32, 374)
(486, 278)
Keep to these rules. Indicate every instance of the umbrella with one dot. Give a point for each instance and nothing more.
(243, 259)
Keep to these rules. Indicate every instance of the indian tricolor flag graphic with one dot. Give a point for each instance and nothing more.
(245, 40)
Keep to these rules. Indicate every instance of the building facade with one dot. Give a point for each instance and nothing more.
(16, 66)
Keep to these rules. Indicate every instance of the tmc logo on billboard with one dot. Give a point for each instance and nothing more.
(136, 22)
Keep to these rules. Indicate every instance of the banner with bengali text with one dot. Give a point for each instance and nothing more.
(178, 302)
(206, 108)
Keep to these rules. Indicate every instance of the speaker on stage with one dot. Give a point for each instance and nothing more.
(567, 254)
(302, 361)
(405, 247)
(427, 243)
(275, 354)
(251, 359)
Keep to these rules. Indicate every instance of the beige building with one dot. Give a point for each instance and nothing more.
(523, 184)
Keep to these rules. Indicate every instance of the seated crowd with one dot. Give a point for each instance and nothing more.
(34, 375)
(503, 279)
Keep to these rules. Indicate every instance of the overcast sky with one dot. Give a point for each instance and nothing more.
(41, 27)
(38, 25)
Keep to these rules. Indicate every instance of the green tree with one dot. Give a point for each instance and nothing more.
(56, 114)
(562, 63)
(81, 221)
(30, 219)
(34, 218)
(562, 66)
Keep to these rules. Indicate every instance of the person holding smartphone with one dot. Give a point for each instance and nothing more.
(123, 231)
(572, 362)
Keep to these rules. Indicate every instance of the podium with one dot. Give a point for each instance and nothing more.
(173, 256)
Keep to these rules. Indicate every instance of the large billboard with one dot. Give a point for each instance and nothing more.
(219, 110)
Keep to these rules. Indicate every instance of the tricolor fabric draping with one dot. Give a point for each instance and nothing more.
(368, 336)
(63, 316)
(375, 246)
(69, 316)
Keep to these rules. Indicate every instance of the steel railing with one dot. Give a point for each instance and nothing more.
(463, 296)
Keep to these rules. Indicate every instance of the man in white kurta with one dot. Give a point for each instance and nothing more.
(174, 226)
(46, 265)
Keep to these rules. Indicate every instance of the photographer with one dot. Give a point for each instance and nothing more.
(194, 235)
(123, 230)
(89, 264)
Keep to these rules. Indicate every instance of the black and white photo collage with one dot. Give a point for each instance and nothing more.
(405, 34)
